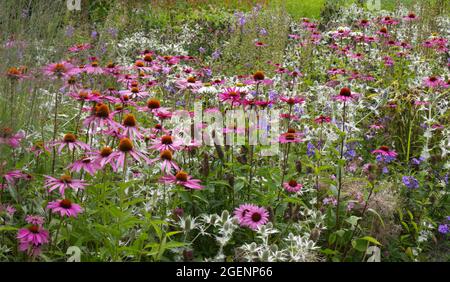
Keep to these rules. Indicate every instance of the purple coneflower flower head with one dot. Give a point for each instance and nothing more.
(232, 95)
(346, 95)
(291, 136)
(166, 142)
(183, 179)
(65, 208)
(63, 183)
(35, 220)
(70, 140)
(255, 217)
(167, 163)
(32, 238)
(384, 151)
(433, 81)
(86, 163)
(292, 186)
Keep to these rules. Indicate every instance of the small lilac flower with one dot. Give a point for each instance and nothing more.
(310, 149)
(443, 229)
(410, 182)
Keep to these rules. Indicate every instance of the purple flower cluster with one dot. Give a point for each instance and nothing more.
(410, 182)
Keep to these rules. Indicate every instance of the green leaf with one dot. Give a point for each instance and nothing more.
(359, 245)
(377, 214)
(371, 239)
(353, 220)
(8, 228)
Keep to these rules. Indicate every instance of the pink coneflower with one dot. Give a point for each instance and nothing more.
(35, 219)
(376, 126)
(383, 32)
(63, 183)
(130, 128)
(255, 217)
(231, 95)
(13, 176)
(241, 211)
(86, 163)
(183, 179)
(411, 17)
(342, 32)
(101, 117)
(389, 21)
(70, 140)
(166, 142)
(16, 73)
(260, 44)
(167, 163)
(126, 147)
(292, 186)
(94, 68)
(102, 157)
(433, 81)
(336, 71)
(292, 100)
(10, 139)
(79, 47)
(143, 65)
(31, 239)
(135, 91)
(258, 78)
(190, 83)
(322, 119)
(345, 95)
(65, 208)
(158, 128)
(384, 151)
(364, 23)
(60, 69)
(290, 137)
